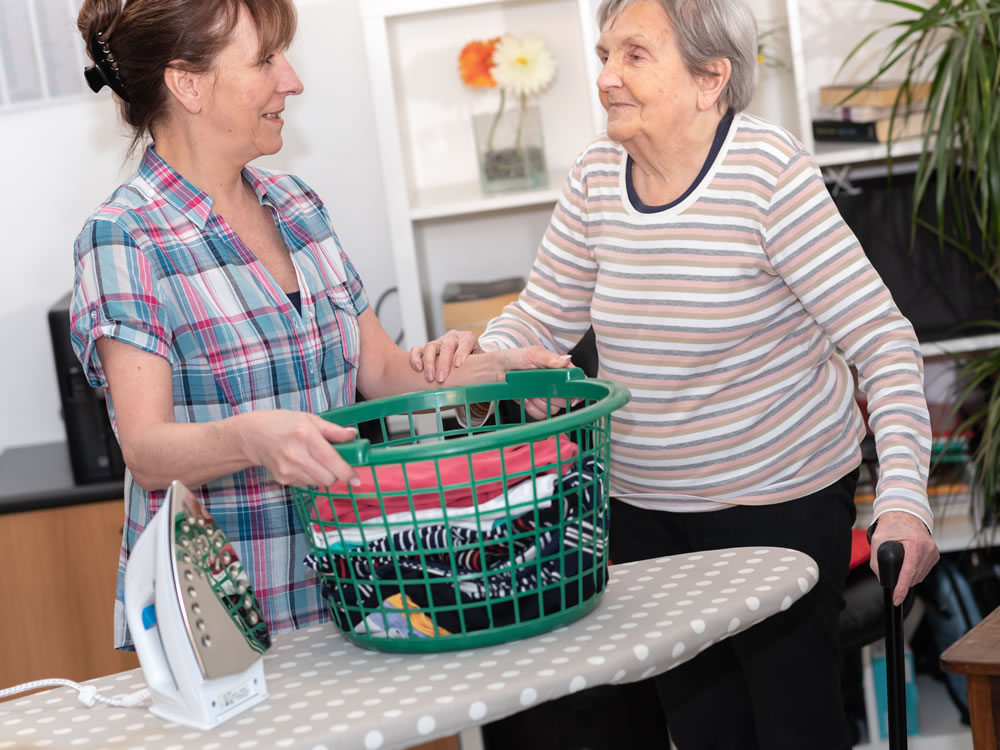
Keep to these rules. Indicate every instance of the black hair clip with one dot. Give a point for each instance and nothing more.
(105, 70)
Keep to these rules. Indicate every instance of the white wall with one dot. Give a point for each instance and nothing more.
(57, 162)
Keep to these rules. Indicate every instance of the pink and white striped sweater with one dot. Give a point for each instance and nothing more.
(729, 317)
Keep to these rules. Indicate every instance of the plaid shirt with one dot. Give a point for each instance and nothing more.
(157, 269)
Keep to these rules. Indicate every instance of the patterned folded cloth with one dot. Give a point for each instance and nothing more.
(519, 498)
(465, 579)
(454, 481)
(400, 617)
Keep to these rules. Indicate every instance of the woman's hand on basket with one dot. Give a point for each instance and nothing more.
(532, 358)
(535, 358)
(436, 358)
(295, 447)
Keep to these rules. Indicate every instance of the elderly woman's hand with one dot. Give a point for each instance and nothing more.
(920, 551)
(533, 358)
(436, 358)
(524, 358)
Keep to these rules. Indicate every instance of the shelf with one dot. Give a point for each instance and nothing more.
(821, 35)
(960, 345)
(830, 153)
(467, 198)
(393, 8)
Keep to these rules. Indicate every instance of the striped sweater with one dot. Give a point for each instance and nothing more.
(731, 317)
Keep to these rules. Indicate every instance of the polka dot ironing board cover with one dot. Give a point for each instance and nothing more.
(325, 692)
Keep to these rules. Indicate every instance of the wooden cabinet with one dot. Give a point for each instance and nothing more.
(57, 583)
(977, 655)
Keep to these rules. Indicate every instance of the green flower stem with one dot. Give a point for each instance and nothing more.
(520, 122)
(496, 120)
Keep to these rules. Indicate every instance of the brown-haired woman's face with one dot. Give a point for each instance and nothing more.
(248, 94)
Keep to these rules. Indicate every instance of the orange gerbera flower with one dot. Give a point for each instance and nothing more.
(475, 61)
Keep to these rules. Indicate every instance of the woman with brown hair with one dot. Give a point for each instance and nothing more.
(213, 300)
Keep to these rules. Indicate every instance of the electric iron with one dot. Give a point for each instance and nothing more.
(195, 623)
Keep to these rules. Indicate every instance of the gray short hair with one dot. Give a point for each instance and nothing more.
(708, 30)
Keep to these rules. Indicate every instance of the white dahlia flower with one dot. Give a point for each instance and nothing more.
(523, 66)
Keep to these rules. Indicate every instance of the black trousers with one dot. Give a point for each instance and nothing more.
(777, 685)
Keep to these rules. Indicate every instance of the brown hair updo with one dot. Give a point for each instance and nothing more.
(146, 36)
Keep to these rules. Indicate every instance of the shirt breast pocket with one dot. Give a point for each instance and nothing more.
(337, 319)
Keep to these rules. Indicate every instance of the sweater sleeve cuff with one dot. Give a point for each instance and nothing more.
(925, 518)
(473, 417)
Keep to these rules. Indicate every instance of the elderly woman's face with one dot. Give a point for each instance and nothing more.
(644, 85)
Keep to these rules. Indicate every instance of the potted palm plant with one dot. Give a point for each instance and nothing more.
(955, 45)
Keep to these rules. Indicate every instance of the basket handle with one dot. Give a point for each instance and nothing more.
(354, 452)
(541, 378)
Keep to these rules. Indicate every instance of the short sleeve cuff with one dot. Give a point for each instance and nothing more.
(93, 326)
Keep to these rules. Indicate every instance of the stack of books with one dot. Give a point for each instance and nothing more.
(866, 116)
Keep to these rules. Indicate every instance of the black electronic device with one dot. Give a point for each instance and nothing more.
(93, 449)
(935, 287)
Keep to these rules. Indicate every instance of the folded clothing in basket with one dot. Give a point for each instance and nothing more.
(484, 515)
(464, 579)
(443, 481)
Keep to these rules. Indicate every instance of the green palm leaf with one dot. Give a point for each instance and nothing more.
(955, 45)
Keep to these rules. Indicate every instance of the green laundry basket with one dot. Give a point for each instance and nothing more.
(460, 537)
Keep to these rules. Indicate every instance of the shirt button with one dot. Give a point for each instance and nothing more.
(311, 313)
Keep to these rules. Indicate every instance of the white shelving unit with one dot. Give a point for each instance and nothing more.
(423, 116)
(821, 33)
(461, 199)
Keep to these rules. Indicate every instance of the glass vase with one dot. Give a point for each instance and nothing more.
(510, 150)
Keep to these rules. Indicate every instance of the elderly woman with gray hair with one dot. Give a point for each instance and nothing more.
(729, 296)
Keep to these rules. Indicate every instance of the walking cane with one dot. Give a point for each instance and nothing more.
(890, 562)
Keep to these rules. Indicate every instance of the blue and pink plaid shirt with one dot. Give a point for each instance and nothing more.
(157, 269)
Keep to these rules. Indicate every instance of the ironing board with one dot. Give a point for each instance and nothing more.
(327, 692)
